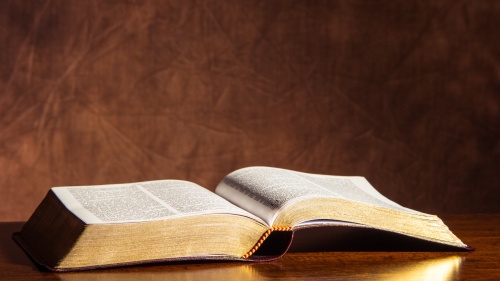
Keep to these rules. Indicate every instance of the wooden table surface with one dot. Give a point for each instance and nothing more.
(480, 231)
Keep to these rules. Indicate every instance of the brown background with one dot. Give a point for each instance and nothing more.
(405, 93)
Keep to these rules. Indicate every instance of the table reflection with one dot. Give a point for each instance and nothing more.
(447, 268)
(324, 267)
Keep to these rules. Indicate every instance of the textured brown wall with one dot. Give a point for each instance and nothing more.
(405, 93)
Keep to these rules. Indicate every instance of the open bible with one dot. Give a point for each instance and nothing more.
(85, 227)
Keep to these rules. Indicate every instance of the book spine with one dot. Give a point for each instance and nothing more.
(264, 237)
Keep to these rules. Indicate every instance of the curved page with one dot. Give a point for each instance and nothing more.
(263, 191)
(143, 201)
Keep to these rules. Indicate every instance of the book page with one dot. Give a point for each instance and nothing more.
(143, 201)
(263, 190)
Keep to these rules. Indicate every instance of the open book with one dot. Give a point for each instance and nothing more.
(85, 227)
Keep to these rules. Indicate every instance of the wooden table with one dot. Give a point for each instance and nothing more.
(480, 231)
